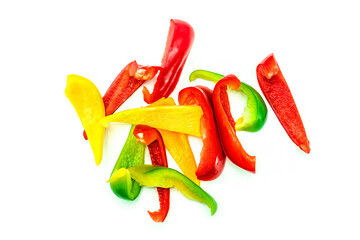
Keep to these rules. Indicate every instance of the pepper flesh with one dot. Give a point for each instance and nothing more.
(226, 124)
(184, 119)
(132, 154)
(254, 115)
(178, 45)
(178, 145)
(87, 101)
(155, 176)
(152, 138)
(212, 157)
(125, 84)
(278, 95)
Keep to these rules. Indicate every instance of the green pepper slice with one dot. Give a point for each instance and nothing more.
(156, 176)
(255, 112)
(132, 154)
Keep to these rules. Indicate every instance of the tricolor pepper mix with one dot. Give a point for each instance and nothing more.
(164, 126)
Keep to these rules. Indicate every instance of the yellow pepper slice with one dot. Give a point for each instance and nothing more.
(89, 106)
(178, 145)
(184, 119)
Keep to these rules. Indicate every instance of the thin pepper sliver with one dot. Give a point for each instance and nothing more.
(152, 138)
(278, 94)
(178, 145)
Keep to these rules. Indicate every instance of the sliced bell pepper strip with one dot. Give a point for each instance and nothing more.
(155, 176)
(152, 138)
(132, 154)
(87, 101)
(255, 112)
(178, 146)
(178, 45)
(184, 119)
(125, 84)
(212, 157)
(278, 95)
(226, 124)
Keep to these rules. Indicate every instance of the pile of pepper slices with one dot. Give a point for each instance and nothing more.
(164, 125)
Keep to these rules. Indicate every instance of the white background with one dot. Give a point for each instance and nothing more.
(50, 186)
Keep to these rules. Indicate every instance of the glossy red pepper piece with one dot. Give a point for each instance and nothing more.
(152, 138)
(178, 45)
(212, 157)
(125, 84)
(226, 124)
(277, 92)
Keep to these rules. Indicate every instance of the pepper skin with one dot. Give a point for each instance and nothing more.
(178, 145)
(87, 101)
(278, 94)
(132, 154)
(125, 84)
(178, 45)
(184, 119)
(226, 124)
(152, 138)
(255, 113)
(212, 157)
(155, 176)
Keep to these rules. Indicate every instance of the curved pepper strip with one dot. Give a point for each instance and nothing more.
(212, 157)
(152, 138)
(226, 124)
(178, 45)
(87, 101)
(125, 84)
(132, 154)
(278, 95)
(155, 176)
(184, 119)
(255, 111)
(178, 146)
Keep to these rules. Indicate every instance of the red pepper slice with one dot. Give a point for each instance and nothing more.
(226, 124)
(212, 157)
(178, 45)
(278, 95)
(125, 84)
(152, 138)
